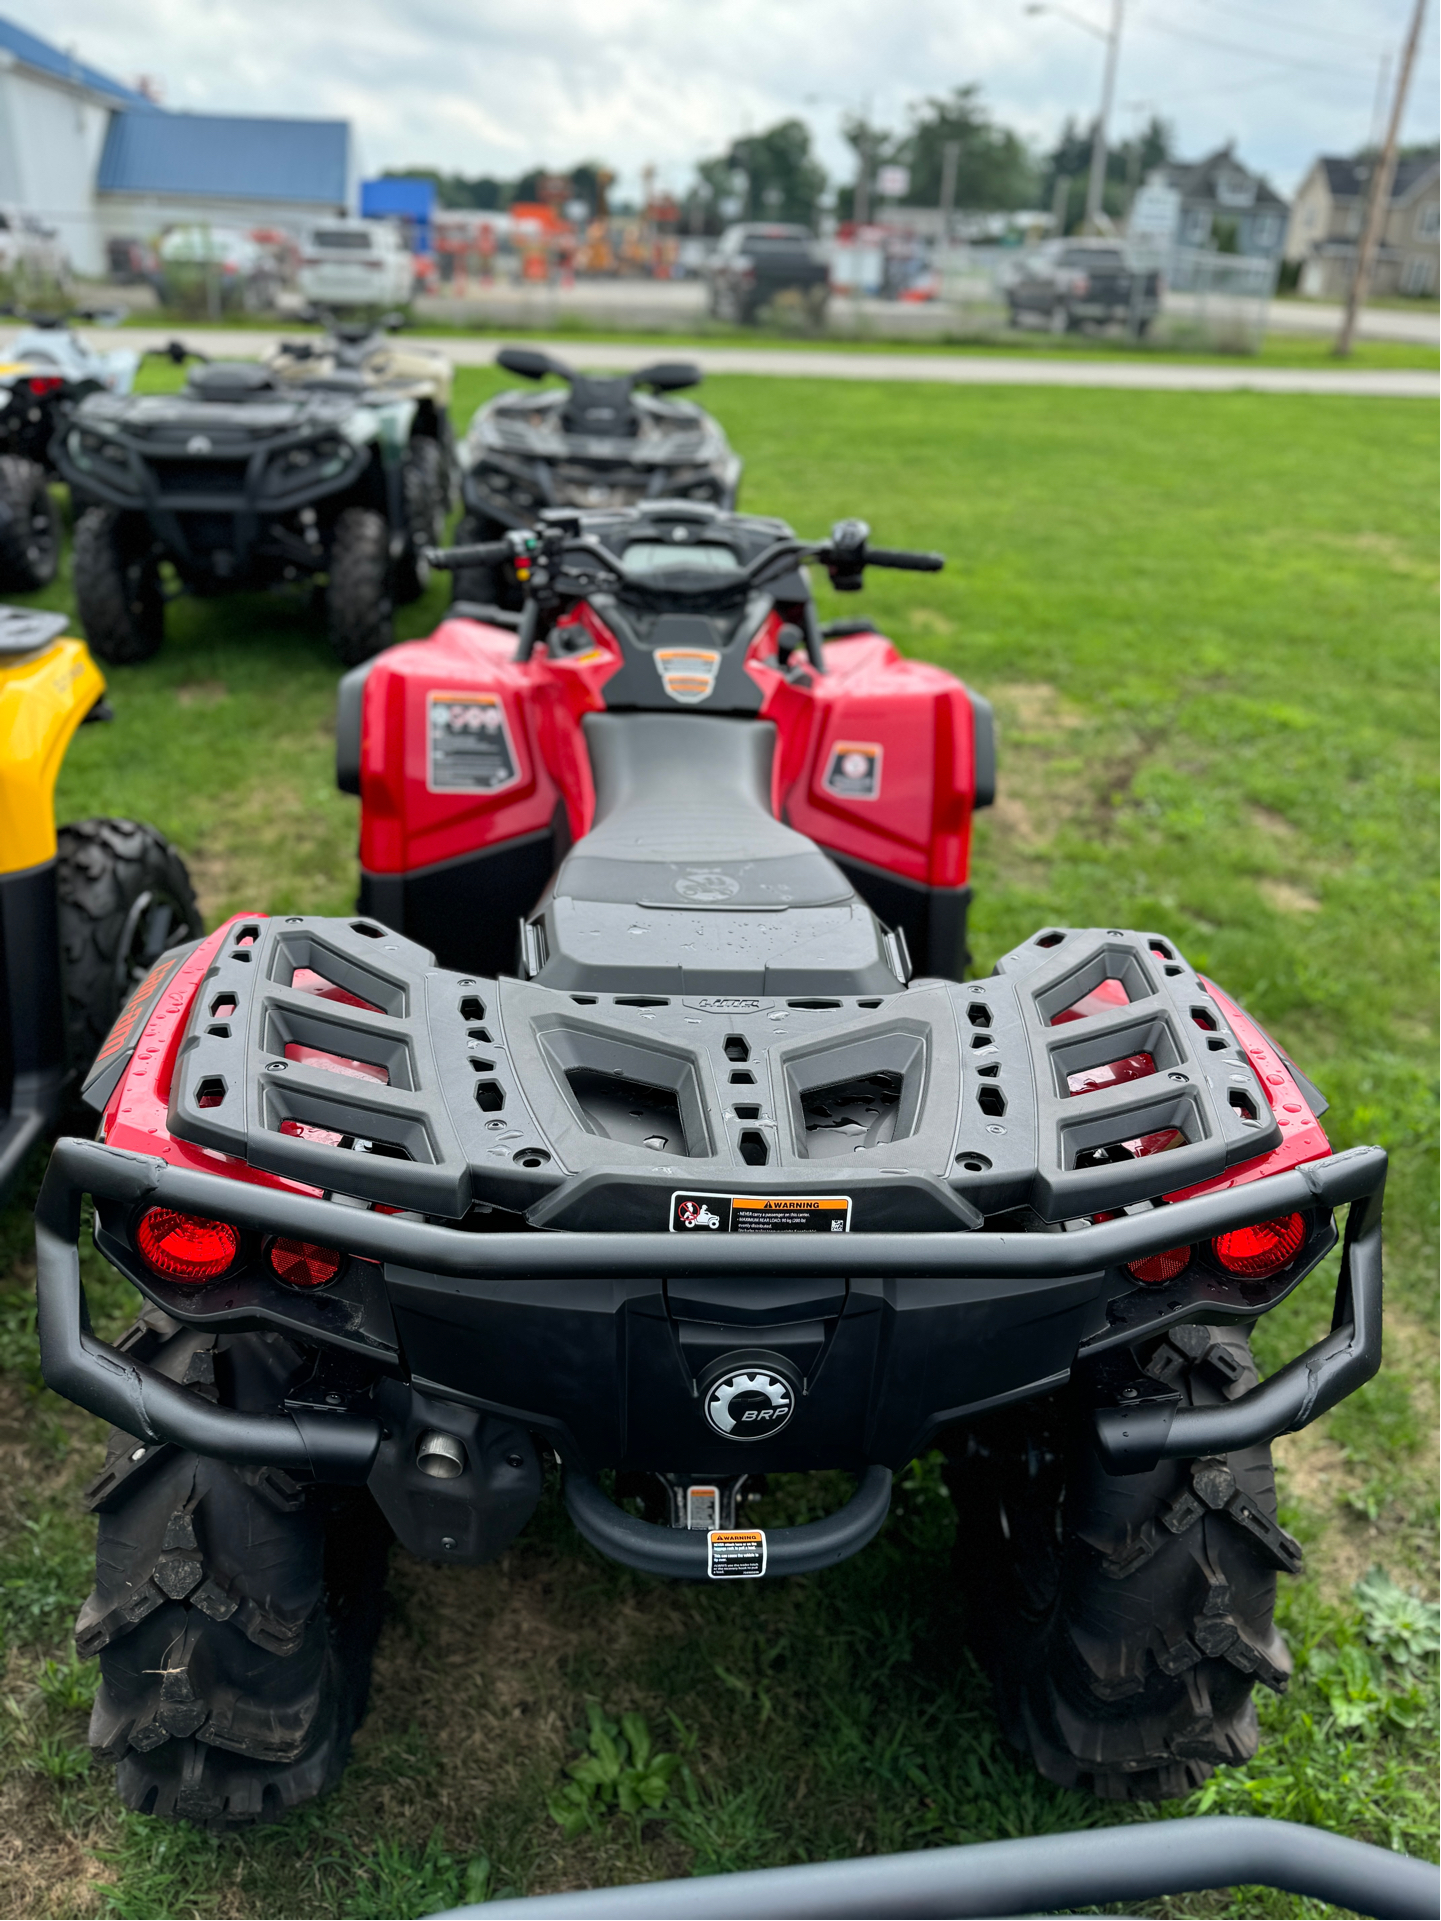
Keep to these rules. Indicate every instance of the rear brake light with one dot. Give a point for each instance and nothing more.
(1262, 1249)
(303, 1264)
(1157, 1268)
(42, 384)
(185, 1248)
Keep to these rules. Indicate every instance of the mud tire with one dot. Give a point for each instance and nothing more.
(117, 586)
(234, 1611)
(123, 898)
(29, 527)
(360, 598)
(1124, 1618)
(423, 491)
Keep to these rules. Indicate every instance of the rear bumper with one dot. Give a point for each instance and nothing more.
(598, 1342)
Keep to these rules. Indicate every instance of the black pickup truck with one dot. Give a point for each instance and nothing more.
(1083, 283)
(754, 264)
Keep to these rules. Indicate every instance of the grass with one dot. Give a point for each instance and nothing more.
(1207, 623)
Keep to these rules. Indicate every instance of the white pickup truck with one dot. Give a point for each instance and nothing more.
(356, 263)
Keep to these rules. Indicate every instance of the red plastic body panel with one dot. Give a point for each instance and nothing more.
(135, 1116)
(1302, 1136)
(908, 723)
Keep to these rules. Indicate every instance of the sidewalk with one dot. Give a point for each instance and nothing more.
(965, 370)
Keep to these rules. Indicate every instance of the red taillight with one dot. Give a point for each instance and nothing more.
(303, 1264)
(42, 384)
(1157, 1268)
(184, 1248)
(1259, 1250)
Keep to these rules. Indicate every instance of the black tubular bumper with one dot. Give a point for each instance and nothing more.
(682, 1553)
(982, 1266)
(1038, 1875)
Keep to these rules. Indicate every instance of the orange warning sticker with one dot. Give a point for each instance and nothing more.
(736, 1554)
(760, 1213)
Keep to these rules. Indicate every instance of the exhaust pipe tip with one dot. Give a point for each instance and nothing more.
(440, 1455)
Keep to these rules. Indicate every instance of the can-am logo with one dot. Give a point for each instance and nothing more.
(749, 1404)
(707, 885)
(687, 673)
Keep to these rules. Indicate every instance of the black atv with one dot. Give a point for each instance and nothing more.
(240, 482)
(365, 357)
(600, 442)
(47, 368)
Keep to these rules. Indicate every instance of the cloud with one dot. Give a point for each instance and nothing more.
(480, 86)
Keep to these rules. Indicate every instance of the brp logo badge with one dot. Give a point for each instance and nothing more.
(749, 1404)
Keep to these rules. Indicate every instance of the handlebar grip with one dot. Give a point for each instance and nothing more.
(485, 554)
(907, 562)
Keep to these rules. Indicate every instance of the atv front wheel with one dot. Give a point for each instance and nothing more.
(1124, 1618)
(124, 897)
(117, 586)
(234, 1611)
(422, 481)
(360, 600)
(29, 527)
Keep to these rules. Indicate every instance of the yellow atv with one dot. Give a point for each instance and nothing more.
(85, 912)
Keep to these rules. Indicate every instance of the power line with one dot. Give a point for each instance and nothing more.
(1249, 53)
(1259, 17)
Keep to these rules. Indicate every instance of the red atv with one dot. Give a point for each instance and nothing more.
(674, 1167)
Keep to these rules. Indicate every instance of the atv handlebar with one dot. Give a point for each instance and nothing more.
(177, 353)
(906, 561)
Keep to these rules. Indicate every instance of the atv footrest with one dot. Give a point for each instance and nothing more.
(686, 1554)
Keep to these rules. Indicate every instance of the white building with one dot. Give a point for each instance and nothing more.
(99, 161)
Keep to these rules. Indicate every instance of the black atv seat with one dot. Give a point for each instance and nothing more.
(231, 381)
(688, 882)
(600, 407)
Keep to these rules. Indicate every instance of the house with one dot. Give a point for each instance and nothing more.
(1330, 210)
(1226, 208)
(98, 160)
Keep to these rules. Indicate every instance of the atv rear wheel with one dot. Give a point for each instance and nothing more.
(1124, 1618)
(360, 600)
(29, 527)
(422, 481)
(123, 898)
(234, 1611)
(117, 586)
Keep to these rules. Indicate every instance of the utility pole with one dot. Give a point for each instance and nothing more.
(1060, 201)
(950, 160)
(1096, 187)
(1382, 176)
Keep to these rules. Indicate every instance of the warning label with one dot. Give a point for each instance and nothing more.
(702, 1507)
(736, 1554)
(470, 749)
(760, 1213)
(854, 770)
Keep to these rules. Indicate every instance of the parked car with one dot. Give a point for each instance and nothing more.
(356, 263)
(755, 263)
(1083, 283)
(31, 253)
(205, 268)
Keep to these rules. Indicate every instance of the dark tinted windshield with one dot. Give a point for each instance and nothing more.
(1093, 257)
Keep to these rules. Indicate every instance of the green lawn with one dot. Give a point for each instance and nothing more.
(1208, 626)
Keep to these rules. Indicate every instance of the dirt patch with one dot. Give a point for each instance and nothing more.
(202, 694)
(1287, 898)
(1034, 707)
(1269, 823)
(925, 620)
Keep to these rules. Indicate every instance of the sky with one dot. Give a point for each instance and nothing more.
(486, 86)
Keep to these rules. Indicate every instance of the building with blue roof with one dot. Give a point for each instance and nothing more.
(99, 161)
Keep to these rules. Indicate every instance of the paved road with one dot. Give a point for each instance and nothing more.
(965, 370)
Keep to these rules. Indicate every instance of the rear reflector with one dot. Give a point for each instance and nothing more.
(303, 1264)
(184, 1248)
(1260, 1250)
(1157, 1268)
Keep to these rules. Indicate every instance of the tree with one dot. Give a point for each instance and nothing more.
(1127, 165)
(764, 176)
(994, 168)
